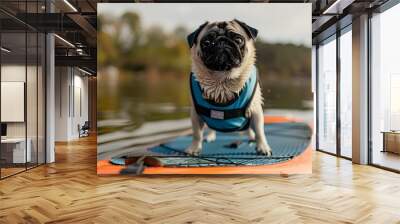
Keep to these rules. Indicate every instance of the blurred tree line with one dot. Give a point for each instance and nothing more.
(126, 44)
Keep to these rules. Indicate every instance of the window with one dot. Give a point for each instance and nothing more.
(327, 95)
(346, 92)
(385, 89)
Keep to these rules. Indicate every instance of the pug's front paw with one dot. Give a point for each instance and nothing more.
(194, 149)
(264, 149)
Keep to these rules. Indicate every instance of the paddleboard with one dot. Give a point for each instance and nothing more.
(230, 153)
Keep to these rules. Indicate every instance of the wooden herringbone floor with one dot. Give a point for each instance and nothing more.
(70, 192)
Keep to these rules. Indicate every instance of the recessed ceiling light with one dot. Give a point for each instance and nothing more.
(337, 7)
(64, 40)
(5, 50)
(70, 5)
(84, 71)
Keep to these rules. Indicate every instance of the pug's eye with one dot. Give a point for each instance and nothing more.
(206, 43)
(238, 40)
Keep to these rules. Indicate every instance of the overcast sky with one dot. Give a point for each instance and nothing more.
(277, 23)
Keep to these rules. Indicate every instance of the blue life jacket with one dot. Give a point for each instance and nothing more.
(229, 116)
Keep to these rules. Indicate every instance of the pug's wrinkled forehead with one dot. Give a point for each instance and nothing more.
(222, 28)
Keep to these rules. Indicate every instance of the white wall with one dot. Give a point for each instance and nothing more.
(81, 81)
(62, 82)
(70, 84)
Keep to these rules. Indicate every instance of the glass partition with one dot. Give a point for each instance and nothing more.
(22, 76)
(327, 95)
(14, 153)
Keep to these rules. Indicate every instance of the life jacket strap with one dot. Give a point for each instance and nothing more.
(219, 114)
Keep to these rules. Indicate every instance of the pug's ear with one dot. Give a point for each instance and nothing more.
(250, 31)
(192, 38)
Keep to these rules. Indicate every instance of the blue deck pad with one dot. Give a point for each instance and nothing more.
(287, 140)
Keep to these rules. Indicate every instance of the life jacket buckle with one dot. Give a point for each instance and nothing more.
(217, 114)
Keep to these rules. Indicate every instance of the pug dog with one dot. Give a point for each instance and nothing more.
(223, 59)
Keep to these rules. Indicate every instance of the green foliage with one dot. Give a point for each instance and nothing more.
(283, 60)
(125, 44)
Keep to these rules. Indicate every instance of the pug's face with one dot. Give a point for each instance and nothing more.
(222, 46)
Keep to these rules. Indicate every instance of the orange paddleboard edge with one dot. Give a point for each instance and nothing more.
(301, 164)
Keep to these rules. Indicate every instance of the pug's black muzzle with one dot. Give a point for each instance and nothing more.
(221, 54)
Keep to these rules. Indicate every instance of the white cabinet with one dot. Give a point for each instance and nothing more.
(19, 155)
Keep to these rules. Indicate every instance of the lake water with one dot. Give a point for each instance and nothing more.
(135, 110)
